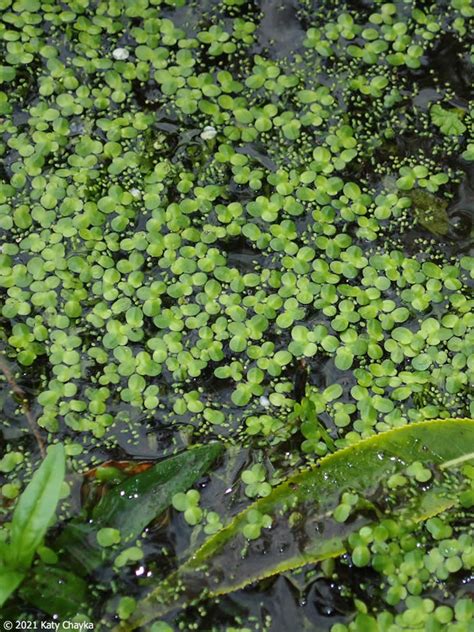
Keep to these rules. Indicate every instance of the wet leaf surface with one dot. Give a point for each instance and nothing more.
(56, 591)
(303, 526)
(131, 505)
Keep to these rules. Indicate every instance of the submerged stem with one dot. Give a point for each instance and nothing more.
(5, 369)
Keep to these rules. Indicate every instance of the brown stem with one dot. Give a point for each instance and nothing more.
(5, 369)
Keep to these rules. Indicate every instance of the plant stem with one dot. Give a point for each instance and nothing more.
(460, 459)
(24, 404)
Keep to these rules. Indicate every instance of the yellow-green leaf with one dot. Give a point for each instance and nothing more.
(36, 508)
(301, 511)
(9, 582)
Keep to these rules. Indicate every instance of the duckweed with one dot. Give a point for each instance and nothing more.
(255, 523)
(188, 503)
(108, 536)
(254, 479)
(242, 221)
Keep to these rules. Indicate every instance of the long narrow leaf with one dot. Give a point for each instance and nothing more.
(303, 527)
(9, 582)
(36, 508)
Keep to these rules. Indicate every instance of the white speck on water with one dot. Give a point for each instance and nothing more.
(228, 490)
(208, 133)
(140, 570)
(265, 402)
(120, 54)
(136, 193)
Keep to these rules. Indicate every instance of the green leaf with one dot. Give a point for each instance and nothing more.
(130, 506)
(35, 509)
(133, 504)
(9, 582)
(344, 359)
(305, 503)
(469, 153)
(42, 590)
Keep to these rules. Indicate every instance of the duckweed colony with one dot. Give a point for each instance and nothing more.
(247, 222)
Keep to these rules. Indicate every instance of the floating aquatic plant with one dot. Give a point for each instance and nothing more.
(193, 204)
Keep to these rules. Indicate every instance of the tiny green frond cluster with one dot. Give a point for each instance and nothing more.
(240, 221)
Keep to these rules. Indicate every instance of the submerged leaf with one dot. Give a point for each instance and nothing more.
(304, 528)
(430, 212)
(55, 591)
(130, 506)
